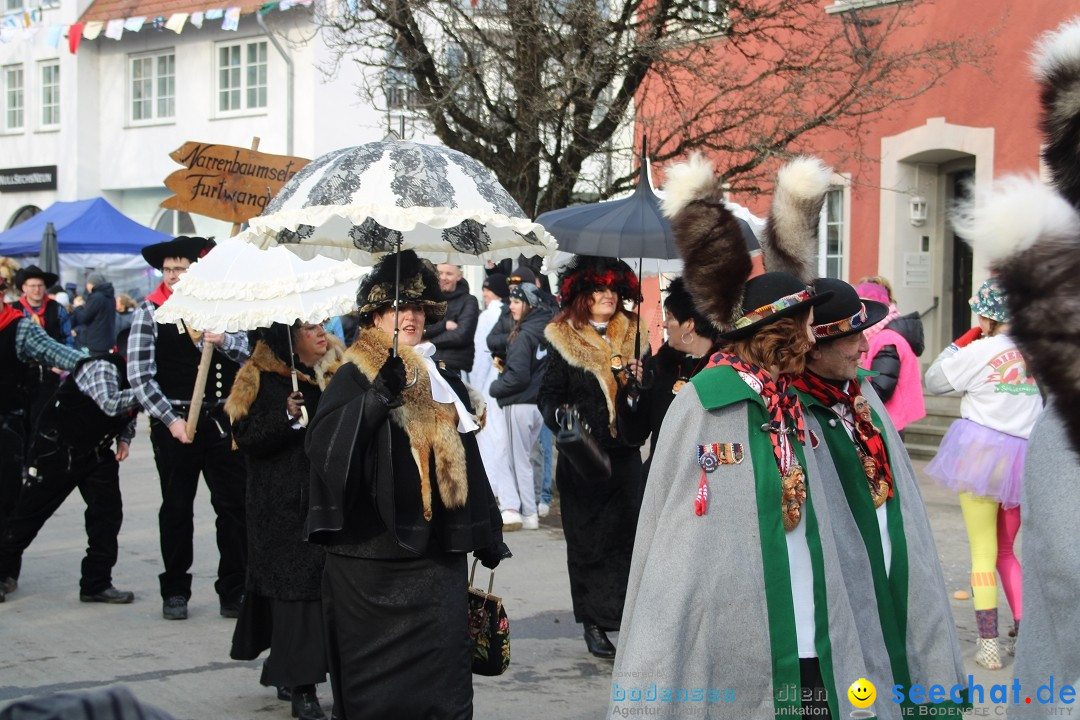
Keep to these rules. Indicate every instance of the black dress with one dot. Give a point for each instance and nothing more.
(282, 607)
(599, 517)
(668, 370)
(395, 585)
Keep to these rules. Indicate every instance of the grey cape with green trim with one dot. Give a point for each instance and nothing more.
(906, 626)
(709, 613)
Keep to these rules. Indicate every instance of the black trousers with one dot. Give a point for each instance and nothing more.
(12, 445)
(97, 475)
(178, 467)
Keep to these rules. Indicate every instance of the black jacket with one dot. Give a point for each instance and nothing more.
(365, 486)
(500, 332)
(281, 565)
(526, 360)
(911, 327)
(95, 322)
(455, 347)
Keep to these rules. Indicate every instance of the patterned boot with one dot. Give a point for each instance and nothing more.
(986, 653)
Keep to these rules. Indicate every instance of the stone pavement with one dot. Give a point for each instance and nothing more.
(53, 643)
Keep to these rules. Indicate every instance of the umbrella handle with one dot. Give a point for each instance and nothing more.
(200, 387)
(303, 421)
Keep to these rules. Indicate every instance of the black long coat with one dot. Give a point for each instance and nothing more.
(281, 563)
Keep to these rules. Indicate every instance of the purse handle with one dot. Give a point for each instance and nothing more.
(491, 580)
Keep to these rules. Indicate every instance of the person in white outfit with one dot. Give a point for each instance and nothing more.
(517, 390)
(492, 439)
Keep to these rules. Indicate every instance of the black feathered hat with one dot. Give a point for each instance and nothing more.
(33, 272)
(419, 286)
(586, 273)
(183, 246)
(845, 313)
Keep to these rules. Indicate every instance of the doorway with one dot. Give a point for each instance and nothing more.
(962, 269)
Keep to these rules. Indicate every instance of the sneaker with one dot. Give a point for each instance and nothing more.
(174, 608)
(109, 595)
(530, 522)
(8, 586)
(987, 654)
(543, 509)
(511, 520)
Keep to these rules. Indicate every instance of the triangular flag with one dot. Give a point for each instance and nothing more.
(53, 36)
(74, 37)
(93, 29)
(114, 29)
(134, 24)
(197, 18)
(215, 14)
(176, 22)
(232, 19)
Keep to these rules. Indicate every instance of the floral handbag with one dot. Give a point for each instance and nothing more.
(489, 629)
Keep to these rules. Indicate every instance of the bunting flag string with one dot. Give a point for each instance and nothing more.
(29, 24)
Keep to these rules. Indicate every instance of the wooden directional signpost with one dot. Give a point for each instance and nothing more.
(228, 183)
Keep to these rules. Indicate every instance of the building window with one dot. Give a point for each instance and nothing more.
(153, 87)
(11, 6)
(13, 97)
(831, 235)
(241, 76)
(23, 214)
(172, 222)
(843, 6)
(50, 94)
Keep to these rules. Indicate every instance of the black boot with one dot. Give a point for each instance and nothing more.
(305, 705)
(598, 642)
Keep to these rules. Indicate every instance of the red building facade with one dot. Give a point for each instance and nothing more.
(889, 213)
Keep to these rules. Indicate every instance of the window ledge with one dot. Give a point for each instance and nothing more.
(261, 112)
(45, 129)
(134, 124)
(843, 6)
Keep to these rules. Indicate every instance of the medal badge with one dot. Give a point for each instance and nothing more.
(678, 386)
(793, 495)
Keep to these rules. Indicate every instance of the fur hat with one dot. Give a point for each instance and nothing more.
(191, 248)
(586, 273)
(419, 286)
(845, 313)
(717, 263)
(33, 272)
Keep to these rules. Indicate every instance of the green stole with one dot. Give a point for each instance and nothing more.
(721, 386)
(890, 588)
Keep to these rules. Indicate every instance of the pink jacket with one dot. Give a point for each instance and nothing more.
(906, 404)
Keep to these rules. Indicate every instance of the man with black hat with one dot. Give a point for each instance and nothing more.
(22, 343)
(51, 316)
(886, 548)
(163, 361)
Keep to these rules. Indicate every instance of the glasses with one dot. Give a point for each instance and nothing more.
(178, 270)
(34, 286)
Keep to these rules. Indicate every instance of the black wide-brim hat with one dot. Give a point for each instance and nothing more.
(770, 297)
(419, 285)
(845, 313)
(183, 246)
(33, 272)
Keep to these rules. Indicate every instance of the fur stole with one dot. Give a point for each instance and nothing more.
(246, 385)
(430, 426)
(587, 350)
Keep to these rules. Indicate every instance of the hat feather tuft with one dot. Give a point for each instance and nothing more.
(686, 182)
(1056, 60)
(791, 235)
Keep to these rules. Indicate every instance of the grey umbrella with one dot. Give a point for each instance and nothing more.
(49, 258)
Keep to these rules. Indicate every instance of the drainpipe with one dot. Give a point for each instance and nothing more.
(290, 77)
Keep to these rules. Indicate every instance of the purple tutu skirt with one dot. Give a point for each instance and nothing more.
(975, 459)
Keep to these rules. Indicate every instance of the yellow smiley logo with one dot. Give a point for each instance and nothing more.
(862, 693)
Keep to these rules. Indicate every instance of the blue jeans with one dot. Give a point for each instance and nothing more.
(546, 442)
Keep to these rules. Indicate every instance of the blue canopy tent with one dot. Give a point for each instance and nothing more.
(83, 226)
(92, 235)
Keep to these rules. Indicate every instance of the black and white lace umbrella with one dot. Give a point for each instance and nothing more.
(362, 202)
